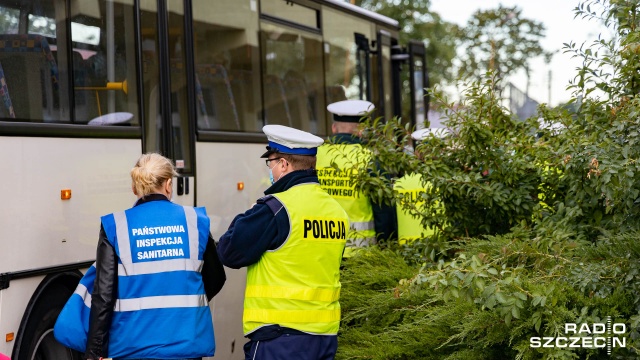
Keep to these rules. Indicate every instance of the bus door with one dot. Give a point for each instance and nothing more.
(419, 81)
(167, 76)
(384, 94)
(363, 66)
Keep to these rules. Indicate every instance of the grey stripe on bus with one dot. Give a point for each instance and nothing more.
(152, 267)
(160, 302)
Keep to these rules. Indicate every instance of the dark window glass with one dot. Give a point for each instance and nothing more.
(418, 92)
(290, 11)
(104, 63)
(36, 62)
(151, 76)
(179, 107)
(346, 73)
(293, 80)
(33, 62)
(227, 61)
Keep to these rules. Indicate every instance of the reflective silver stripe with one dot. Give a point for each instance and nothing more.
(192, 229)
(152, 267)
(122, 232)
(362, 225)
(361, 242)
(160, 302)
(84, 294)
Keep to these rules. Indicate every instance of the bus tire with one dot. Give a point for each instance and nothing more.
(37, 341)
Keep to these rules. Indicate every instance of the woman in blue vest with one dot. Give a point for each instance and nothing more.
(156, 270)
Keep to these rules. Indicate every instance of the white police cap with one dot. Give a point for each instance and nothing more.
(350, 110)
(287, 140)
(424, 133)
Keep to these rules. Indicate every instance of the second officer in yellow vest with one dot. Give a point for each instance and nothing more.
(410, 189)
(369, 221)
(291, 242)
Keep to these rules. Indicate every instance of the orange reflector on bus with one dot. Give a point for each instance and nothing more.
(65, 194)
(9, 337)
(241, 186)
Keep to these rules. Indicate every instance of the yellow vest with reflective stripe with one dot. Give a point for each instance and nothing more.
(349, 158)
(298, 285)
(410, 188)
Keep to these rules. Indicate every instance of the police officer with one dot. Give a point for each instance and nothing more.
(410, 188)
(291, 242)
(369, 221)
(156, 269)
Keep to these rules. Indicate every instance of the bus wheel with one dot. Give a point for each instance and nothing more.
(38, 342)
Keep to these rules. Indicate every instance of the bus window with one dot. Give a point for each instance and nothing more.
(30, 62)
(291, 12)
(178, 84)
(104, 65)
(35, 60)
(165, 97)
(386, 91)
(347, 63)
(227, 61)
(418, 93)
(293, 78)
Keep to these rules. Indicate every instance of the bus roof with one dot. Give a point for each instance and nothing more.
(361, 11)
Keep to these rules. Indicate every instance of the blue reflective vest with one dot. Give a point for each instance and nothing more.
(72, 325)
(161, 309)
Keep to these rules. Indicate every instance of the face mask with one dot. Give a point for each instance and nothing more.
(271, 176)
(271, 173)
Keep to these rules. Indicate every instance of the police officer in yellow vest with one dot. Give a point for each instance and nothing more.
(291, 242)
(410, 188)
(369, 221)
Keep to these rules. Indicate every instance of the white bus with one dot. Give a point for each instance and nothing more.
(86, 86)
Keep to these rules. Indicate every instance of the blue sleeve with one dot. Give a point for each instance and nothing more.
(251, 234)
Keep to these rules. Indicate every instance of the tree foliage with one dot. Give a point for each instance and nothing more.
(499, 40)
(418, 22)
(537, 225)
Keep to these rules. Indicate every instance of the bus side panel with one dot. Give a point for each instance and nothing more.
(13, 302)
(39, 229)
(221, 166)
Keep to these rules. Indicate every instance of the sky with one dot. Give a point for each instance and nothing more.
(561, 27)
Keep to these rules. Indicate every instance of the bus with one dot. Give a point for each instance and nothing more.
(87, 86)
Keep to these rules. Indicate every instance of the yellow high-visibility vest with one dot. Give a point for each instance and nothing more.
(350, 159)
(410, 188)
(298, 285)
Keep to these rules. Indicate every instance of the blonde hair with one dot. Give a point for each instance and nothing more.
(150, 172)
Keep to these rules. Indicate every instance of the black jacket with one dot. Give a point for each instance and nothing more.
(105, 286)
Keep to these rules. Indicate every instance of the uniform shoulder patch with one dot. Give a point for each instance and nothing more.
(272, 202)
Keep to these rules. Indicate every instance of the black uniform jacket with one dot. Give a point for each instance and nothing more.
(106, 285)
